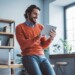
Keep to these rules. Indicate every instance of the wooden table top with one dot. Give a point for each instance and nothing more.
(62, 56)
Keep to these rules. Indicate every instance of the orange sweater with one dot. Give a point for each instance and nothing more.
(27, 38)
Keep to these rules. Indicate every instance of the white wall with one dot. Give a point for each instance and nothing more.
(14, 9)
(56, 19)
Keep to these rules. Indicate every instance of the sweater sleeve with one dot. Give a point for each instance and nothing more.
(45, 42)
(23, 42)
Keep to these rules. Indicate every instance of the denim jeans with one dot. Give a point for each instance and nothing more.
(37, 65)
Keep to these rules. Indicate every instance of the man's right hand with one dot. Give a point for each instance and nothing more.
(37, 37)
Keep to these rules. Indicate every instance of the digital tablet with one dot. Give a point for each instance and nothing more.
(47, 28)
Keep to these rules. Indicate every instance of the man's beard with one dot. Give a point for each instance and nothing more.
(31, 19)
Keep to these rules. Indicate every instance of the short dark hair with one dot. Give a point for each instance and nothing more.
(30, 9)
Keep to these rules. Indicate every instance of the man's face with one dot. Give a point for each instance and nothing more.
(34, 16)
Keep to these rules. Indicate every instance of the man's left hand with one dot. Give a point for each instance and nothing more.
(52, 34)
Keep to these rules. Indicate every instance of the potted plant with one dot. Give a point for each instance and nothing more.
(67, 46)
(46, 51)
(64, 45)
(20, 58)
(57, 48)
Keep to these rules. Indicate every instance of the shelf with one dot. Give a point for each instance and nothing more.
(12, 66)
(8, 34)
(6, 21)
(5, 33)
(6, 47)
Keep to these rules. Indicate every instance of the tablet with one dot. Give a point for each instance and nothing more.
(47, 28)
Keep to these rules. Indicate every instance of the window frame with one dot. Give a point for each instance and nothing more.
(65, 21)
(65, 8)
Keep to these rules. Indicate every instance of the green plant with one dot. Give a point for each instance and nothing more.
(56, 47)
(66, 45)
(20, 58)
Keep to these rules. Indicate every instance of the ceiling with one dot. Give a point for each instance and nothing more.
(63, 2)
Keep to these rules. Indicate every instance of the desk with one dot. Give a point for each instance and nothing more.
(70, 58)
(62, 56)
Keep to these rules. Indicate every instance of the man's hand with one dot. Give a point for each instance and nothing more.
(37, 37)
(52, 34)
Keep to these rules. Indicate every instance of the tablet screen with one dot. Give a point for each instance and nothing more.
(46, 30)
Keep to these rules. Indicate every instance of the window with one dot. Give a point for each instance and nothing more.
(70, 25)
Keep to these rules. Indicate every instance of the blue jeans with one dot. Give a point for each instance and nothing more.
(37, 65)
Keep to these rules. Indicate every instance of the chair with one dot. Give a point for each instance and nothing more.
(61, 66)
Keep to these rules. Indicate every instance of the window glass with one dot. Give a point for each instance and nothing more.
(70, 26)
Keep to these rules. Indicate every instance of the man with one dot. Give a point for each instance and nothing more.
(33, 44)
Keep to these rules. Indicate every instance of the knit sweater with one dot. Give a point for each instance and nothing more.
(29, 40)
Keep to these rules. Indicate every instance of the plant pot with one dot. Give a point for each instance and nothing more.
(67, 51)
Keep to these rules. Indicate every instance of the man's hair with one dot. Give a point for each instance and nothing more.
(30, 9)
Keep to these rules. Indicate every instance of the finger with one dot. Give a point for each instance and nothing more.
(52, 33)
(53, 30)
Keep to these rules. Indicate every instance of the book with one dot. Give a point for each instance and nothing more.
(47, 29)
(11, 42)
